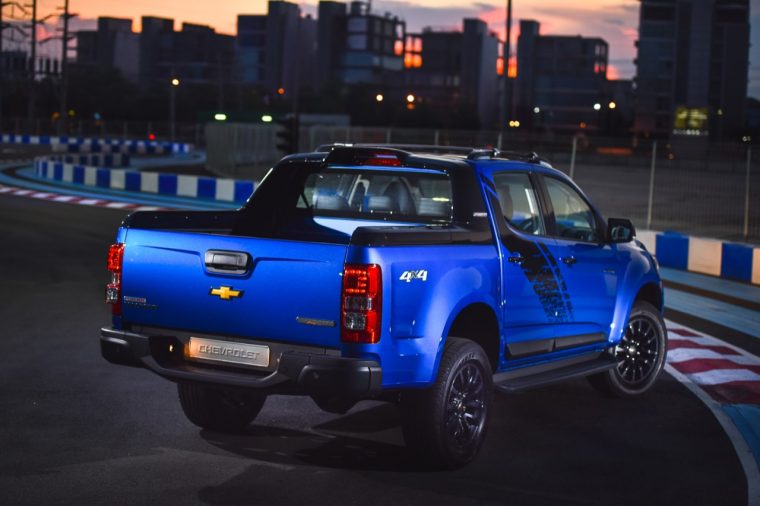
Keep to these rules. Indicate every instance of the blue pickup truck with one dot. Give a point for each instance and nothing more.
(425, 276)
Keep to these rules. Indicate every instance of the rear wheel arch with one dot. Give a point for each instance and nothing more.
(478, 323)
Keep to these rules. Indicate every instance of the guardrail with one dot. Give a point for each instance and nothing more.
(66, 144)
(97, 160)
(175, 185)
(729, 260)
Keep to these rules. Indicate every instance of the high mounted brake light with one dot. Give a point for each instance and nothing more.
(361, 302)
(371, 156)
(383, 160)
(113, 289)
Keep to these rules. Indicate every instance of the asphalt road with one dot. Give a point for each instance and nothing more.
(77, 430)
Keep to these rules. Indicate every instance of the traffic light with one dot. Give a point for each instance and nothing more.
(287, 136)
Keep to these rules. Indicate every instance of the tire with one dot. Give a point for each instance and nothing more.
(445, 424)
(218, 409)
(641, 354)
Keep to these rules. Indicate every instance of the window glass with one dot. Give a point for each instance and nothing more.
(574, 218)
(519, 203)
(378, 195)
(357, 42)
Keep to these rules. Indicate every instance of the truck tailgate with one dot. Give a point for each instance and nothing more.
(289, 292)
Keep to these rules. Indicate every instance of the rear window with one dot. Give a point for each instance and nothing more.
(378, 195)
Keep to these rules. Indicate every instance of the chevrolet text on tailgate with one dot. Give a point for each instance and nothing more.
(424, 276)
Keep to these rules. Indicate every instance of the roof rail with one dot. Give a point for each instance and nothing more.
(469, 152)
(410, 148)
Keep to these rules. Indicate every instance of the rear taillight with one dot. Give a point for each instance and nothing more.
(361, 301)
(113, 289)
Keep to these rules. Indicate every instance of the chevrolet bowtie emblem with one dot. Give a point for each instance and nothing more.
(226, 292)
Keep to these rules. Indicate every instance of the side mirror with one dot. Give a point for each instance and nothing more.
(620, 230)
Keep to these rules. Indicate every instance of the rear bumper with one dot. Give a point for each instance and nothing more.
(296, 372)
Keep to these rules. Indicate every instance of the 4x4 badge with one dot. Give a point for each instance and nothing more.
(226, 292)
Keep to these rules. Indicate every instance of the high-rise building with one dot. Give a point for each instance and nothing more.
(356, 45)
(374, 47)
(692, 67)
(455, 72)
(156, 45)
(277, 49)
(331, 40)
(194, 54)
(560, 80)
(113, 45)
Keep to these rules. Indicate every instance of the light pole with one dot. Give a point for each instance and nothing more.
(173, 108)
(33, 69)
(64, 69)
(2, 27)
(507, 105)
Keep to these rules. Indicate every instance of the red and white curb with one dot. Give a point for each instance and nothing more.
(719, 374)
(73, 199)
(728, 374)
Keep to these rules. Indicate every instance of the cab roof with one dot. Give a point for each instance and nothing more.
(415, 156)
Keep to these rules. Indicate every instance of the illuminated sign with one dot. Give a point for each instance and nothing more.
(691, 121)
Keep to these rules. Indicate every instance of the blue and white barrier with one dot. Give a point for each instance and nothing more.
(67, 144)
(99, 160)
(725, 259)
(176, 185)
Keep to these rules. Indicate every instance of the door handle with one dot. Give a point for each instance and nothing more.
(569, 260)
(227, 262)
(516, 260)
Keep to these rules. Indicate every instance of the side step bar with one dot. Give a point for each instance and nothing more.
(545, 374)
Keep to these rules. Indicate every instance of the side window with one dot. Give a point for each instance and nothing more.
(574, 218)
(519, 203)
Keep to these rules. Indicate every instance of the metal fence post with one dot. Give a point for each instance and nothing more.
(499, 140)
(436, 137)
(387, 135)
(572, 157)
(746, 194)
(651, 185)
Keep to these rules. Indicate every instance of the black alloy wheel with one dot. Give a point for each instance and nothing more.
(638, 351)
(640, 354)
(446, 423)
(466, 408)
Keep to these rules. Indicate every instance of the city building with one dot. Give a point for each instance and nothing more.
(276, 50)
(195, 54)
(455, 70)
(331, 41)
(111, 45)
(374, 47)
(561, 81)
(692, 67)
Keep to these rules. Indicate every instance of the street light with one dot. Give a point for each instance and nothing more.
(379, 97)
(266, 118)
(173, 107)
(536, 109)
(612, 105)
(410, 98)
(597, 106)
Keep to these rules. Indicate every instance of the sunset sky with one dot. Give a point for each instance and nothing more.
(616, 21)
